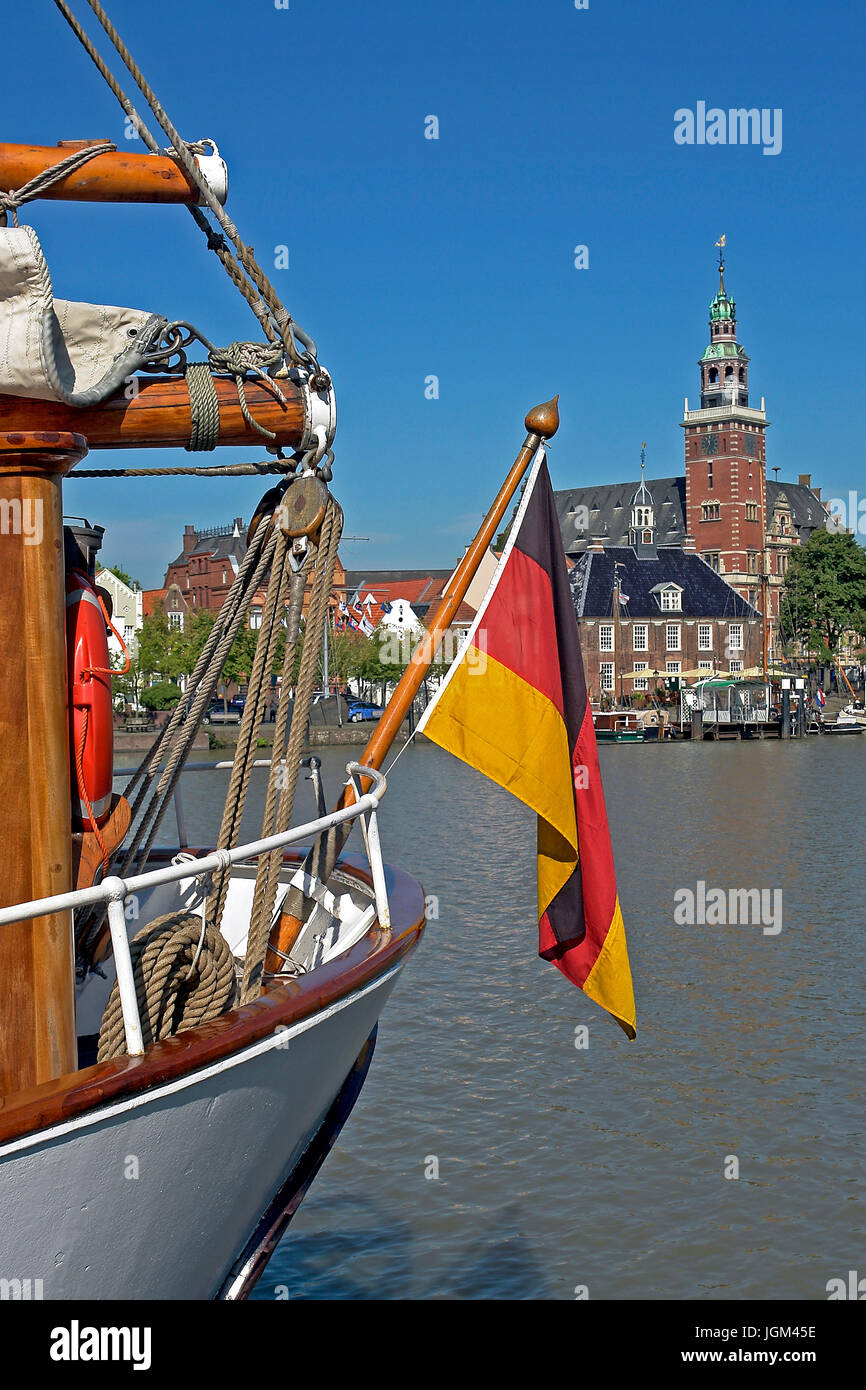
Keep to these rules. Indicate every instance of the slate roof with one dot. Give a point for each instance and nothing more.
(806, 511)
(219, 547)
(610, 512)
(705, 594)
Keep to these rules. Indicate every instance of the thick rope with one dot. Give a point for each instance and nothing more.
(204, 408)
(184, 976)
(284, 771)
(224, 470)
(274, 608)
(35, 187)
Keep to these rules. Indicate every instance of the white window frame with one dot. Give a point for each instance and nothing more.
(705, 637)
(735, 637)
(705, 666)
(735, 666)
(255, 618)
(644, 645)
(641, 682)
(175, 620)
(672, 600)
(677, 644)
(673, 668)
(605, 637)
(606, 675)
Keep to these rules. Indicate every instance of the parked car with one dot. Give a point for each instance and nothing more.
(224, 714)
(359, 709)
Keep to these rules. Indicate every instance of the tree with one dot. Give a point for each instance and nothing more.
(162, 695)
(825, 592)
(161, 647)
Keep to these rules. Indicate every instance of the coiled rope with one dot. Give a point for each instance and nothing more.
(184, 976)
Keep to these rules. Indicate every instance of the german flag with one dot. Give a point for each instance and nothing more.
(514, 706)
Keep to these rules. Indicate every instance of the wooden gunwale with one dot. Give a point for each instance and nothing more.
(281, 1004)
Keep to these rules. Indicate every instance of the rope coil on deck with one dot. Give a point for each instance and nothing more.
(184, 976)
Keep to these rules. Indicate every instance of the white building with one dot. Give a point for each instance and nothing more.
(126, 610)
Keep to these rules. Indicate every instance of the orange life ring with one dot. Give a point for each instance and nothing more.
(91, 733)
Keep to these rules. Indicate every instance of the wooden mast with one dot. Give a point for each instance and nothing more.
(37, 1001)
(541, 423)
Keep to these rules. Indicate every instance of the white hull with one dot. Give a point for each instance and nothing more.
(154, 1198)
(148, 1178)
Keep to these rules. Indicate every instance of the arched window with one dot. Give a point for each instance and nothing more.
(713, 375)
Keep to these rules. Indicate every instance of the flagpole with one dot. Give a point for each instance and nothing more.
(541, 423)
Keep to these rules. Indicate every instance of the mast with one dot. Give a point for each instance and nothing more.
(37, 964)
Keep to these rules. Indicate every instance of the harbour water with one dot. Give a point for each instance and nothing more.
(491, 1155)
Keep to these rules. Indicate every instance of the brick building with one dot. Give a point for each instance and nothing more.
(205, 570)
(742, 524)
(649, 613)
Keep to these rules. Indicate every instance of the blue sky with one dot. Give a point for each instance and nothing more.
(455, 257)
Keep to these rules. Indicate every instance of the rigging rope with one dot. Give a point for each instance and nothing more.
(284, 770)
(242, 267)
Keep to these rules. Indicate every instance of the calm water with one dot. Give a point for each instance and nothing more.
(605, 1167)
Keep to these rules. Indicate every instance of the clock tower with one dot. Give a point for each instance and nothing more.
(725, 450)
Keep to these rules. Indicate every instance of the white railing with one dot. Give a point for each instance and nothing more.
(723, 412)
(114, 891)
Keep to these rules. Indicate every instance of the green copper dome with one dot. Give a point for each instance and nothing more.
(722, 307)
(717, 350)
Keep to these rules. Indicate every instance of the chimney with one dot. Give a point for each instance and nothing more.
(596, 545)
(188, 539)
(805, 479)
(689, 547)
(239, 525)
(817, 492)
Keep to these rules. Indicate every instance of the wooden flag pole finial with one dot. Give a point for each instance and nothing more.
(544, 419)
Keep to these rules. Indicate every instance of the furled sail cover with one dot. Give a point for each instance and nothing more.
(54, 349)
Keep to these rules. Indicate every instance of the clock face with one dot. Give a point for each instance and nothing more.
(709, 443)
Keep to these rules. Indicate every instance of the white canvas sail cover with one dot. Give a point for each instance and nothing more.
(54, 349)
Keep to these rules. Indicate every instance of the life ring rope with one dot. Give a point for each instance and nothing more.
(82, 789)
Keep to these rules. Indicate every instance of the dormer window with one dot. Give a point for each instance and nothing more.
(669, 596)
